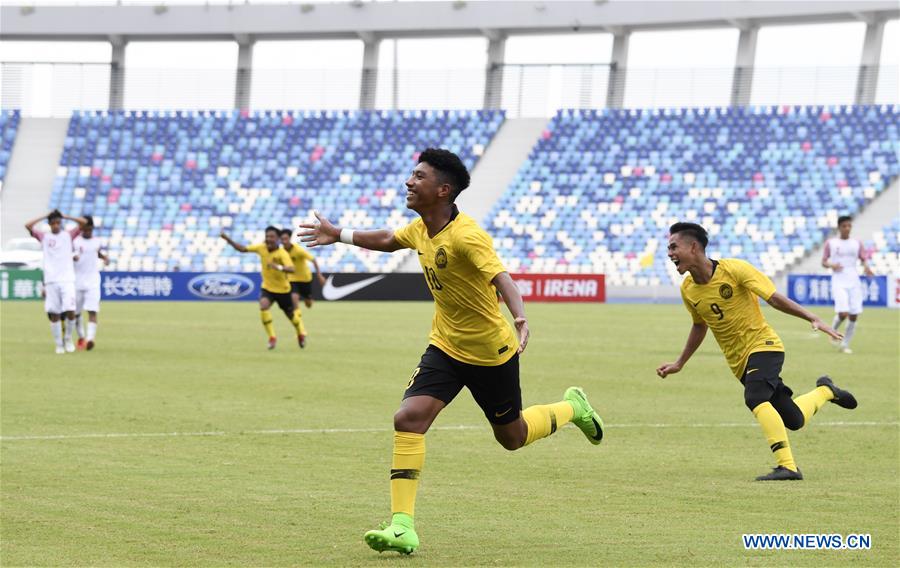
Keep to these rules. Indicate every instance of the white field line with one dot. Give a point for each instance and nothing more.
(385, 430)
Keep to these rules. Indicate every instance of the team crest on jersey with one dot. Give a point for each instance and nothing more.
(440, 258)
(725, 291)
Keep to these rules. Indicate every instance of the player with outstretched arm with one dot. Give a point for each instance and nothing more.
(471, 344)
(275, 265)
(724, 296)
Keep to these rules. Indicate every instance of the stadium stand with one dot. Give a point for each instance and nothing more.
(886, 250)
(9, 124)
(601, 187)
(163, 185)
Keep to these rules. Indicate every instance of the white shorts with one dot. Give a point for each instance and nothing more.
(60, 297)
(87, 299)
(847, 299)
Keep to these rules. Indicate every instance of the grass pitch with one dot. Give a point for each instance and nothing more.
(181, 441)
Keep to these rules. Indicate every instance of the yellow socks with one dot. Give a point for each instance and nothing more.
(297, 320)
(266, 317)
(409, 457)
(811, 402)
(545, 419)
(776, 434)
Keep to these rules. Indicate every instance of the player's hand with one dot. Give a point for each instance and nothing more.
(75, 258)
(106, 261)
(667, 369)
(319, 233)
(869, 273)
(819, 325)
(272, 265)
(523, 332)
(836, 266)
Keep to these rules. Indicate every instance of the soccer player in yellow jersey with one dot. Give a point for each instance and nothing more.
(301, 278)
(724, 296)
(471, 344)
(276, 265)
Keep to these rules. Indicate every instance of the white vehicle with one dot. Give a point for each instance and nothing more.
(24, 253)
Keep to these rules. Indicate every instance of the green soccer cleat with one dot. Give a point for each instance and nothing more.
(586, 418)
(393, 537)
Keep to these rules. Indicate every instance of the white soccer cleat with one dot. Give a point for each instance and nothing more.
(60, 350)
(846, 350)
(70, 347)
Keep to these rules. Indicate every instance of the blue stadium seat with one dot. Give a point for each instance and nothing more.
(9, 125)
(165, 183)
(601, 187)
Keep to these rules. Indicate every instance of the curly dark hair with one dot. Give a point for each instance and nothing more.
(54, 215)
(692, 230)
(449, 167)
(274, 229)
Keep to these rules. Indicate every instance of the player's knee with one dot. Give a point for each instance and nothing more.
(409, 420)
(793, 423)
(509, 443)
(853, 317)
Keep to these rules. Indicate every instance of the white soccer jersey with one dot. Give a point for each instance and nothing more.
(87, 267)
(847, 253)
(58, 252)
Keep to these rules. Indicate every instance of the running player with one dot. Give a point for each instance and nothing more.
(471, 344)
(276, 288)
(88, 250)
(59, 275)
(301, 279)
(724, 296)
(841, 255)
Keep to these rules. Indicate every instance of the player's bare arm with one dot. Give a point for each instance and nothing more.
(325, 233)
(80, 220)
(695, 338)
(784, 304)
(281, 267)
(29, 226)
(867, 270)
(513, 298)
(237, 246)
(319, 274)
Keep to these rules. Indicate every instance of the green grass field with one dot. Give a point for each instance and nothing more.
(181, 441)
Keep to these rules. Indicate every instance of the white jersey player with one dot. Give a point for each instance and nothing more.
(88, 253)
(59, 275)
(841, 255)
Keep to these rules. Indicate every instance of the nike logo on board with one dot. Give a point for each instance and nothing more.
(332, 292)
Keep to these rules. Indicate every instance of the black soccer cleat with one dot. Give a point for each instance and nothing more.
(842, 398)
(781, 473)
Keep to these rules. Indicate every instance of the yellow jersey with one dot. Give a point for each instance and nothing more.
(459, 264)
(729, 305)
(300, 257)
(273, 280)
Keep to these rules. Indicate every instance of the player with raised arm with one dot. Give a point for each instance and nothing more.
(840, 256)
(301, 278)
(471, 344)
(275, 265)
(59, 275)
(88, 250)
(724, 296)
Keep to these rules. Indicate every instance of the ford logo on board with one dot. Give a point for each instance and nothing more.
(220, 286)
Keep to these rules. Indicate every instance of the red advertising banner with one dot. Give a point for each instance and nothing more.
(561, 287)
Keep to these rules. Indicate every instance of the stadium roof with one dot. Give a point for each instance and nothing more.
(367, 20)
